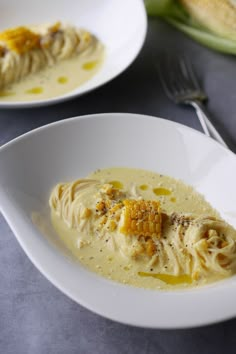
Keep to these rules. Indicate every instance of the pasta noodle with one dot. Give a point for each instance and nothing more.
(26, 50)
(176, 244)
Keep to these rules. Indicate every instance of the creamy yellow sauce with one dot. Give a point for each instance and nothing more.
(59, 79)
(174, 196)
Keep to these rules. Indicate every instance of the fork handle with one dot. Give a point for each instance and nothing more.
(205, 121)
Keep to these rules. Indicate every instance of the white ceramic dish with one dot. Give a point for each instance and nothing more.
(31, 164)
(121, 26)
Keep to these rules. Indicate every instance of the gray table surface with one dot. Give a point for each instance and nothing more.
(37, 318)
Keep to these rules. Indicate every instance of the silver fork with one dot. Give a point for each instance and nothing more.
(181, 86)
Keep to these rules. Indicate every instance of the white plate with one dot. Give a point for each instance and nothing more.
(120, 25)
(32, 164)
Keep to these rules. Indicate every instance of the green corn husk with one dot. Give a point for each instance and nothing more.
(222, 39)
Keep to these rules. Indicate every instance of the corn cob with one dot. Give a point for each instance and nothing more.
(141, 218)
(219, 16)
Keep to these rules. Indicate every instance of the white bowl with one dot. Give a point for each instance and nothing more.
(33, 163)
(121, 26)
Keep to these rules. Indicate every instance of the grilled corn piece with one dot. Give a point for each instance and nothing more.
(219, 16)
(141, 218)
(20, 39)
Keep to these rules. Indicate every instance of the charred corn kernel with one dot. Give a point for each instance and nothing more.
(141, 218)
(138, 251)
(87, 36)
(103, 221)
(203, 245)
(86, 213)
(112, 225)
(20, 39)
(115, 208)
(150, 247)
(2, 51)
(115, 211)
(55, 28)
(110, 191)
(101, 207)
(219, 16)
(196, 275)
(224, 244)
(222, 257)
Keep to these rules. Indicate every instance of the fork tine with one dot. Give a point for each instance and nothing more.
(164, 78)
(182, 82)
(173, 70)
(188, 71)
(171, 76)
(167, 75)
